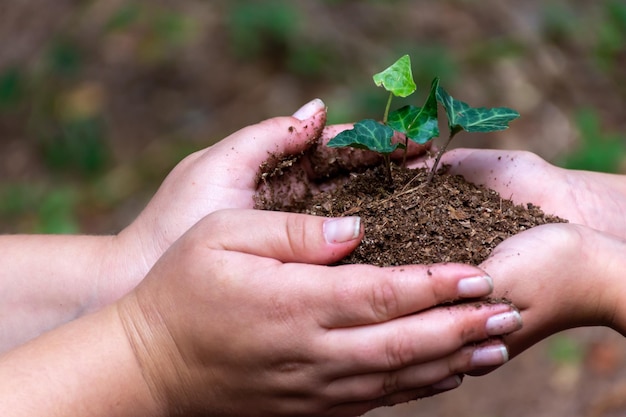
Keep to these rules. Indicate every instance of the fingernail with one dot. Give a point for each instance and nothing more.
(309, 109)
(342, 229)
(475, 286)
(490, 355)
(449, 383)
(504, 323)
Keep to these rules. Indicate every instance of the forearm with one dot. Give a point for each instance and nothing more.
(84, 368)
(49, 280)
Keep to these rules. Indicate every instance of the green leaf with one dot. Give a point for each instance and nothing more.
(366, 134)
(474, 119)
(398, 78)
(420, 124)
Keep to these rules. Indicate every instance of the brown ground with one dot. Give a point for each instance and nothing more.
(165, 77)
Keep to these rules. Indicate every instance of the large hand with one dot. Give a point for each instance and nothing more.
(241, 317)
(560, 276)
(597, 200)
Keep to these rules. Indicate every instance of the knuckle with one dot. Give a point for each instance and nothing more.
(399, 351)
(390, 384)
(438, 287)
(296, 233)
(466, 327)
(384, 301)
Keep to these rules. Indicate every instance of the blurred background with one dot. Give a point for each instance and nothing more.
(99, 99)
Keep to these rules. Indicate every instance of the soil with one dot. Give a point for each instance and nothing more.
(412, 221)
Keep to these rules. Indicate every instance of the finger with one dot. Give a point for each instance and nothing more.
(440, 374)
(279, 136)
(359, 295)
(419, 338)
(350, 295)
(287, 237)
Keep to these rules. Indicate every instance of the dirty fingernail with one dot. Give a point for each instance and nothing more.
(342, 229)
(504, 323)
(490, 356)
(309, 109)
(475, 286)
(449, 383)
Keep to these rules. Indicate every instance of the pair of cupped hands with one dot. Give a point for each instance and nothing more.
(240, 314)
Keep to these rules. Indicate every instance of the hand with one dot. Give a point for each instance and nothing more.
(241, 317)
(560, 276)
(226, 175)
(593, 199)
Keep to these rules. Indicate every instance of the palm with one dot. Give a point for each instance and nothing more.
(592, 199)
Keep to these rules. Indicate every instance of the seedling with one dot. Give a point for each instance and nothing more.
(418, 124)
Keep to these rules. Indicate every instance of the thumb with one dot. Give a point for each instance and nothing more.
(251, 145)
(287, 237)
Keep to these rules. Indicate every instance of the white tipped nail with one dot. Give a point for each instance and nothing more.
(475, 286)
(490, 356)
(309, 109)
(342, 229)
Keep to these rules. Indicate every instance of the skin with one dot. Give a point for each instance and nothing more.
(560, 276)
(157, 319)
(243, 307)
(49, 280)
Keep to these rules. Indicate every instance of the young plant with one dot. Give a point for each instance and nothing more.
(376, 136)
(418, 124)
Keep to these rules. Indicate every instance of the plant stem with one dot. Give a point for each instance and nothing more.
(386, 115)
(387, 161)
(406, 150)
(440, 153)
(386, 157)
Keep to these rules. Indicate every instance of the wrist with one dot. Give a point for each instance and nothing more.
(156, 354)
(123, 265)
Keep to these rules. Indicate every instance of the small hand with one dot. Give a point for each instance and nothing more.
(226, 175)
(242, 306)
(560, 276)
(594, 199)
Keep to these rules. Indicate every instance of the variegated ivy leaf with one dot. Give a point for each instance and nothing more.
(461, 116)
(419, 124)
(398, 78)
(366, 134)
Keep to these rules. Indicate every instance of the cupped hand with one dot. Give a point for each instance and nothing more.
(560, 276)
(228, 175)
(241, 316)
(593, 199)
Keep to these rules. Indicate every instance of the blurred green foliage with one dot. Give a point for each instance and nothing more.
(277, 32)
(597, 150)
(38, 209)
(262, 30)
(611, 41)
(59, 99)
(11, 89)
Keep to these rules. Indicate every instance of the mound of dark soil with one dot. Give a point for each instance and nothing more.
(413, 222)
